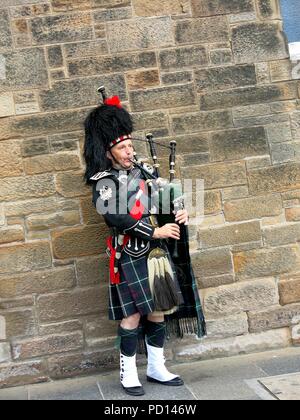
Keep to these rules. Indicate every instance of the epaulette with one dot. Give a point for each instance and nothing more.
(100, 175)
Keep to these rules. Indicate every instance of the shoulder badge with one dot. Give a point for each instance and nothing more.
(100, 175)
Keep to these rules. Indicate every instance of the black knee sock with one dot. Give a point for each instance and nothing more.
(129, 339)
(156, 333)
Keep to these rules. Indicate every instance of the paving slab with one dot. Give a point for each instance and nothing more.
(14, 394)
(69, 389)
(284, 387)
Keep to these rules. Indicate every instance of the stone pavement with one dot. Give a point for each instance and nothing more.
(270, 375)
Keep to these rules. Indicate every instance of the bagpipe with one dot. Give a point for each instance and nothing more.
(170, 198)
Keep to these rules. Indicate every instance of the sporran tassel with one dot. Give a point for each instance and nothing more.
(162, 283)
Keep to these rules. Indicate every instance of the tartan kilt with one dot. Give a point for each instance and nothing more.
(133, 293)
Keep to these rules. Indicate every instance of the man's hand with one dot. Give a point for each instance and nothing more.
(182, 216)
(170, 230)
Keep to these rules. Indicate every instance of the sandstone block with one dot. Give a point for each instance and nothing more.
(215, 281)
(264, 120)
(109, 4)
(208, 30)
(242, 297)
(20, 323)
(212, 202)
(6, 105)
(233, 193)
(70, 5)
(253, 208)
(276, 178)
(111, 64)
(50, 221)
(289, 289)
(282, 235)
(266, 262)
(5, 33)
(280, 70)
(149, 120)
(51, 163)
(11, 162)
(71, 184)
(228, 326)
(79, 241)
(183, 57)
(284, 152)
(22, 374)
(250, 343)
(23, 208)
(89, 212)
(13, 234)
(221, 56)
(78, 50)
(156, 32)
(61, 28)
(256, 41)
(200, 121)
(177, 78)
(37, 282)
(92, 270)
(55, 57)
(36, 146)
(25, 349)
(7, 304)
(258, 162)
(276, 317)
(279, 133)
(54, 307)
(27, 257)
(229, 235)
(65, 142)
(142, 79)
(29, 10)
(217, 175)
(96, 328)
(47, 124)
(292, 214)
(160, 7)
(213, 8)
(269, 9)
(120, 13)
(151, 98)
(26, 187)
(212, 263)
(25, 69)
(222, 78)
(247, 96)
(238, 144)
(82, 364)
(77, 93)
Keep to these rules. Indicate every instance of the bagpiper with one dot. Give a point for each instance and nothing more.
(149, 292)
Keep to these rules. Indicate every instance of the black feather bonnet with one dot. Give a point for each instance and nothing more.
(105, 126)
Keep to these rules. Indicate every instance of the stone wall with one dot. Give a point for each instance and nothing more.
(214, 75)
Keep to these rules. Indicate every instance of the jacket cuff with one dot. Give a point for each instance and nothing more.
(141, 230)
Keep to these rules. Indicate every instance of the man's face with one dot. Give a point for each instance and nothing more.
(123, 154)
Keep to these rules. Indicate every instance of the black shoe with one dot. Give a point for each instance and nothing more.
(135, 391)
(174, 382)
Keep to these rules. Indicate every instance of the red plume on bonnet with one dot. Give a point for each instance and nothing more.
(113, 101)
